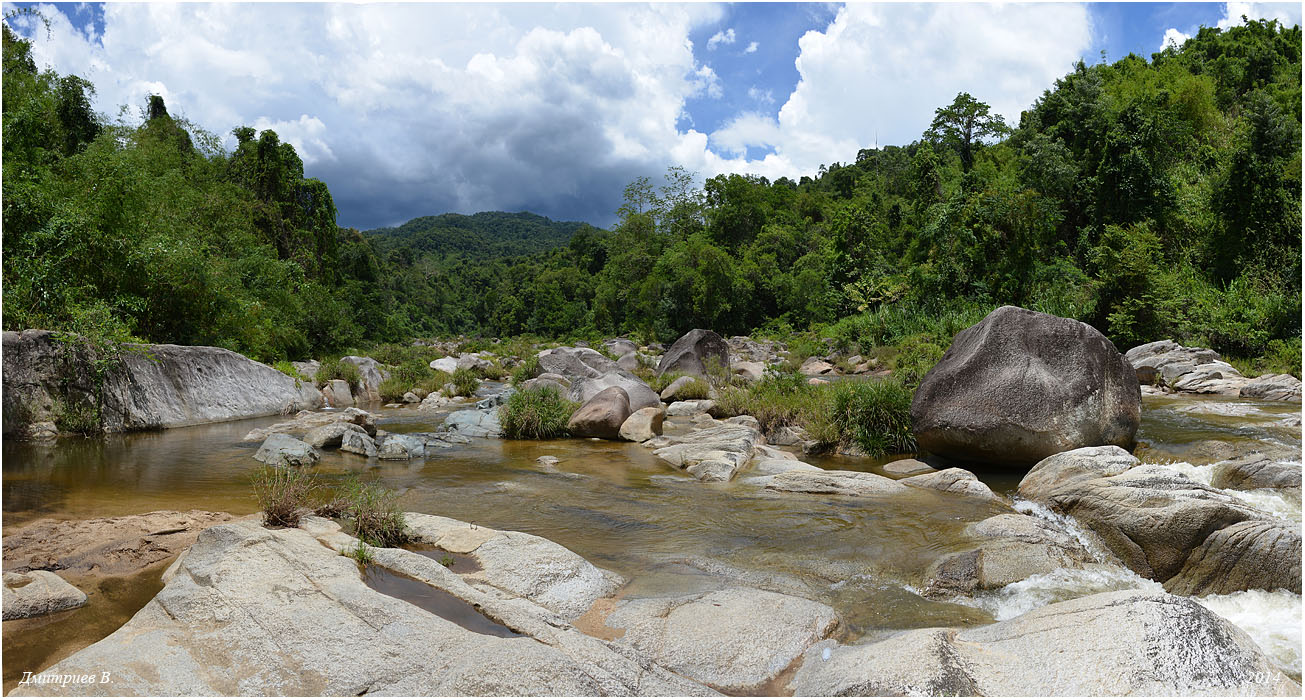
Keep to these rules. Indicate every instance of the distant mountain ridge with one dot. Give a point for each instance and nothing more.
(488, 234)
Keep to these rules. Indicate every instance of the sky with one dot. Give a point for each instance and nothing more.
(408, 110)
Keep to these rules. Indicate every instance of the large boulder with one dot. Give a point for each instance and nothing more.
(371, 374)
(641, 395)
(474, 422)
(1256, 471)
(1020, 386)
(147, 387)
(643, 424)
(693, 352)
(331, 434)
(1109, 644)
(1155, 519)
(38, 593)
(281, 450)
(256, 612)
(337, 394)
(576, 363)
(602, 415)
(1252, 554)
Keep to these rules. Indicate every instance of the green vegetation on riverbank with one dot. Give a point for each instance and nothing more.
(1151, 198)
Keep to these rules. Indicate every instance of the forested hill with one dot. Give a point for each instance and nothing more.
(489, 234)
(1152, 197)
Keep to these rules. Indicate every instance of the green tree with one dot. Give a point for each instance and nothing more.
(963, 125)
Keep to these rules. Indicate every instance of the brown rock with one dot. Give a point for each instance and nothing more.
(601, 416)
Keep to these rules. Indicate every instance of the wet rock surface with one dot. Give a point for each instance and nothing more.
(1121, 643)
(1151, 517)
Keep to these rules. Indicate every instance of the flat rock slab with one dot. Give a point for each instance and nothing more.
(253, 611)
(82, 550)
(38, 593)
(1109, 644)
(715, 452)
(837, 482)
(305, 421)
(734, 640)
(539, 570)
(472, 422)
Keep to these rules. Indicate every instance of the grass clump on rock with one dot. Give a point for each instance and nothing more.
(536, 414)
(873, 415)
(333, 368)
(465, 382)
(282, 493)
(527, 370)
(373, 511)
(695, 389)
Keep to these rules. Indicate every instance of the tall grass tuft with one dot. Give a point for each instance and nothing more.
(374, 512)
(527, 370)
(333, 368)
(536, 414)
(874, 415)
(282, 492)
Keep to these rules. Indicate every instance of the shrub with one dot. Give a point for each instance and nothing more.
(333, 368)
(527, 370)
(658, 382)
(374, 512)
(435, 382)
(694, 389)
(874, 415)
(915, 356)
(465, 382)
(79, 416)
(394, 388)
(284, 367)
(776, 400)
(799, 349)
(536, 414)
(493, 372)
(281, 493)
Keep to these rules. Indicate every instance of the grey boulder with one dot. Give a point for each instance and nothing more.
(602, 415)
(639, 393)
(1020, 386)
(281, 450)
(694, 351)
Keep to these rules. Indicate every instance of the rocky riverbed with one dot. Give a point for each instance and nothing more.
(623, 548)
(1155, 551)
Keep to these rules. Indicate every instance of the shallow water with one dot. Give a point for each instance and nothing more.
(618, 506)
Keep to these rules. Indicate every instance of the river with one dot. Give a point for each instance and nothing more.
(618, 506)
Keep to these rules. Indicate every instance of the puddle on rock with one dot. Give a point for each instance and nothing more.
(433, 601)
(457, 563)
(36, 643)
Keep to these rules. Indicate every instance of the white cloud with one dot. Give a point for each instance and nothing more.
(883, 70)
(722, 37)
(752, 48)
(406, 110)
(1173, 37)
(1287, 14)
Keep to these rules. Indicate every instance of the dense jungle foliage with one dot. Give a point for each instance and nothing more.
(1152, 198)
